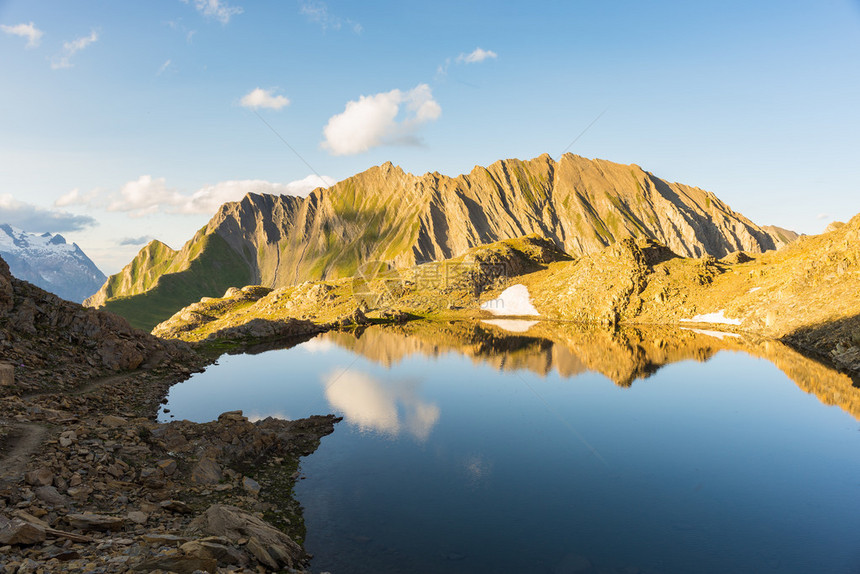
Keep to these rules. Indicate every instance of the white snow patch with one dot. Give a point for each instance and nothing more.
(514, 301)
(718, 334)
(716, 317)
(754, 289)
(511, 325)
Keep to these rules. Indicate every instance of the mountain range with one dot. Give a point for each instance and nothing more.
(49, 262)
(387, 215)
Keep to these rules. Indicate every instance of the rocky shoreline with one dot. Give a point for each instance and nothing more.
(91, 482)
(108, 489)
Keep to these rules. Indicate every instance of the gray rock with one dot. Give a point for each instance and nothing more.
(207, 471)
(251, 485)
(152, 477)
(138, 517)
(40, 477)
(50, 495)
(29, 566)
(112, 421)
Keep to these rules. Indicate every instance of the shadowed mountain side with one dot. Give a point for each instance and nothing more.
(161, 280)
(387, 215)
(623, 355)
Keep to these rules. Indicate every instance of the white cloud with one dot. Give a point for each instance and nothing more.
(209, 198)
(136, 240)
(147, 195)
(144, 196)
(216, 9)
(260, 98)
(476, 56)
(75, 197)
(62, 60)
(373, 121)
(822, 216)
(38, 219)
(29, 31)
(303, 187)
(163, 68)
(318, 13)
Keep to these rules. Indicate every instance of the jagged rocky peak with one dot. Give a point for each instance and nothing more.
(385, 214)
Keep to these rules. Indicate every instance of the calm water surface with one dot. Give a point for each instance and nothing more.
(513, 456)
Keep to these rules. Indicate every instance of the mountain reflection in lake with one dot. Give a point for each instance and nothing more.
(541, 447)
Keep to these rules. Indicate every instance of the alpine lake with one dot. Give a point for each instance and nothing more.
(515, 446)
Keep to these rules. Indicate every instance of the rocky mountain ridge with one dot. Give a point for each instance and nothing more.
(49, 262)
(385, 214)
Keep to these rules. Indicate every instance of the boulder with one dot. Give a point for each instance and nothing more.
(138, 517)
(232, 416)
(214, 548)
(51, 496)
(207, 471)
(17, 531)
(40, 477)
(113, 422)
(271, 547)
(251, 486)
(152, 477)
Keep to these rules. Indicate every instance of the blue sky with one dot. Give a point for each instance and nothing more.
(121, 121)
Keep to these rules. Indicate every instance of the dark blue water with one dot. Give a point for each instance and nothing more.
(445, 463)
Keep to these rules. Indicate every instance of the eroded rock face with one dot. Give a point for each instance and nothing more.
(581, 205)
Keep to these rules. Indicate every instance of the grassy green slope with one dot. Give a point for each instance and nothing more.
(214, 268)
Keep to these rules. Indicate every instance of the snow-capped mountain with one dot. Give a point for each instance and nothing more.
(47, 261)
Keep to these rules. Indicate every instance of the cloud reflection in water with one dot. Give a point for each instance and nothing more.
(389, 407)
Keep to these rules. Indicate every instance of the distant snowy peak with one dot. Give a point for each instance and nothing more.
(13, 238)
(50, 262)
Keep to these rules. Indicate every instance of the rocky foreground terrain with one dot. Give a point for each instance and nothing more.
(89, 482)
